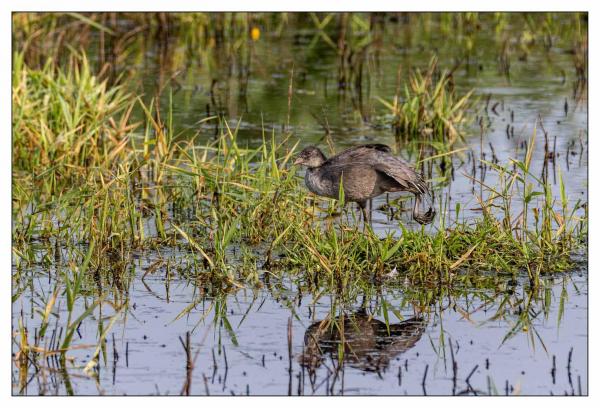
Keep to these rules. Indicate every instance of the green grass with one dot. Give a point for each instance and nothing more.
(135, 191)
(91, 188)
(429, 110)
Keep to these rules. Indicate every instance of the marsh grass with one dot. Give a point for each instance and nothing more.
(429, 108)
(211, 198)
(43, 35)
(92, 188)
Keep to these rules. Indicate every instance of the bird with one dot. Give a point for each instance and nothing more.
(369, 344)
(366, 171)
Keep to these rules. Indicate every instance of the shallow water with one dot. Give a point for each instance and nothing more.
(144, 354)
(151, 358)
(540, 86)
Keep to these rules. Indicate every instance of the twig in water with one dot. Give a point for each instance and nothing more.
(424, 379)
(189, 364)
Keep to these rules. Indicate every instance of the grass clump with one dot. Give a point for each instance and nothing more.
(430, 109)
(67, 120)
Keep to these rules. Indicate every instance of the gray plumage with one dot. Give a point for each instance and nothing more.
(366, 172)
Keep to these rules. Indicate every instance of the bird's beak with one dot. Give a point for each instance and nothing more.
(298, 161)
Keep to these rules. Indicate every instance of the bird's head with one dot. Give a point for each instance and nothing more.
(310, 157)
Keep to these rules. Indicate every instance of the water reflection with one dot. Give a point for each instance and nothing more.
(505, 339)
(368, 344)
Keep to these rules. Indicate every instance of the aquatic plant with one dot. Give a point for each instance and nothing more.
(211, 199)
(430, 110)
(66, 119)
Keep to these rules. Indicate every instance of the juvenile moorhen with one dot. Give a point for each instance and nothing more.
(366, 171)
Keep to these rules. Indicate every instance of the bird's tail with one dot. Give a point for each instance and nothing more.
(423, 211)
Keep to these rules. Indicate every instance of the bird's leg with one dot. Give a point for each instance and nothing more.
(363, 205)
(416, 208)
(345, 209)
(389, 207)
(363, 304)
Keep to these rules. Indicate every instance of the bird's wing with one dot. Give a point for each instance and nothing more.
(362, 152)
(379, 156)
(402, 172)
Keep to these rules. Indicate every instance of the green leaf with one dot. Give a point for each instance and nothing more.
(71, 329)
(229, 330)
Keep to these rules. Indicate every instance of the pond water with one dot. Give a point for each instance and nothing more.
(261, 342)
(145, 355)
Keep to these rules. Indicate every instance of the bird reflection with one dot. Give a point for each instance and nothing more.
(367, 343)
